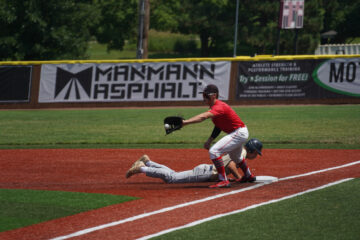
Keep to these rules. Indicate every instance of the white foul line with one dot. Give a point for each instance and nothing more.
(319, 171)
(241, 210)
(100, 227)
(88, 230)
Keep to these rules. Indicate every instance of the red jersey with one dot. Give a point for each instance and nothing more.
(225, 117)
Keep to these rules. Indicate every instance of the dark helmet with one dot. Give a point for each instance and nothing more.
(209, 90)
(254, 145)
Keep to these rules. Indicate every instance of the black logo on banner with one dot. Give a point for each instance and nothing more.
(71, 82)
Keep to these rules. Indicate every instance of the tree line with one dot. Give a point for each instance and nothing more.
(51, 29)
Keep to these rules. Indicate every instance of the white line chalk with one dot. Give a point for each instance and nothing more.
(115, 223)
(241, 210)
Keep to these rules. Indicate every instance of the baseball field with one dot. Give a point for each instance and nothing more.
(63, 175)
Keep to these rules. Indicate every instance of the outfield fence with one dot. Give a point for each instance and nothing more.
(302, 79)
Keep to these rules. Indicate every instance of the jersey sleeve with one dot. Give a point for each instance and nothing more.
(216, 110)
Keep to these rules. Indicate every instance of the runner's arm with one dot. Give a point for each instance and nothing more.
(233, 170)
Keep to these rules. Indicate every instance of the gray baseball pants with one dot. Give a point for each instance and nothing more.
(201, 173)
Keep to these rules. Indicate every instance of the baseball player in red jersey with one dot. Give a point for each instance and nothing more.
(225, 119)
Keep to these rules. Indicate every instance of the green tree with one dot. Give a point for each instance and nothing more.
(211, 20)
(50, 29)
(117, 22)
(45, 29)
(343, 17)
(350, 28)
(257, 26)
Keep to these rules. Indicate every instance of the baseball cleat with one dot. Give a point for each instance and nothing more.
(222, 184)
(245, 179)
(135, 168)
(145, 158)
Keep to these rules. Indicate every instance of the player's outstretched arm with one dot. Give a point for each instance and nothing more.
(198, 118)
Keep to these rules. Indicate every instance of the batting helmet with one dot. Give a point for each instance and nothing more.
(254, 145)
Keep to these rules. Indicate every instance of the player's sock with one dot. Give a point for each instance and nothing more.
(219, 164)
(244, 167)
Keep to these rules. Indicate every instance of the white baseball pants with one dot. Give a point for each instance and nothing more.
(230, 144)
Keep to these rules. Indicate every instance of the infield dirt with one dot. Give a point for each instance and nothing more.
(103, 171)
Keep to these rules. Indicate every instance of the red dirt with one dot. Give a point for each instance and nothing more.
(103, 170)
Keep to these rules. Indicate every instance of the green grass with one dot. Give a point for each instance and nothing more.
(330, 213)
(325, 126)
(99, 51)
(160, 45)
(19, 208)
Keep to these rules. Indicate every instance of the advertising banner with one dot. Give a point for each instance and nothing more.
(310, 79)
(15, 83)
(119, 82)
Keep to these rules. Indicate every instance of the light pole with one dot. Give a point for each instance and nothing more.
(140, 50)
(236, 26)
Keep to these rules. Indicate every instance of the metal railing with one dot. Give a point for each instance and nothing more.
(338, 49)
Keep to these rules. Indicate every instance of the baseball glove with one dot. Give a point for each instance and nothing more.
(172, 123)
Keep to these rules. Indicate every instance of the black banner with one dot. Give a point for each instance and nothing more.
(298, 79)
(15, 83)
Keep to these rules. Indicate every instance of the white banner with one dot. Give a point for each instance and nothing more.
(341, 75)
(119, 82)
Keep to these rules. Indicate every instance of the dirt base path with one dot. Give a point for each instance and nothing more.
(103, 171)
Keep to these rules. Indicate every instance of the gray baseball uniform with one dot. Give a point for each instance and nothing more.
(201, 173)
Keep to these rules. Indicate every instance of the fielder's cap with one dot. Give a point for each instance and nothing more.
(211, 88)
